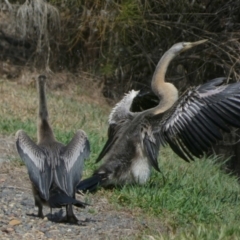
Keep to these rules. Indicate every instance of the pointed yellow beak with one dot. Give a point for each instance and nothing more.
(188, 45)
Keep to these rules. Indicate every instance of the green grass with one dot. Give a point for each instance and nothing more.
(195, 198)
(196, 201)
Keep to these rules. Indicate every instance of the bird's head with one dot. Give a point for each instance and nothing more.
(41, 80)
(183, 46)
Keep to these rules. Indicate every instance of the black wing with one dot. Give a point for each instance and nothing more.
(152, 147)
(119, 116)
(193, 124)
(114, 131)
(39, 169)
(150, 140)
(69, 172)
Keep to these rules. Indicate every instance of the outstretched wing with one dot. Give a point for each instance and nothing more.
(34, 158)
(120, 115)
(72, 156)
(193, 124)
(122, 109)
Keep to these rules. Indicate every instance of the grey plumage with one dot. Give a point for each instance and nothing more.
(54, 169)
(189, 124)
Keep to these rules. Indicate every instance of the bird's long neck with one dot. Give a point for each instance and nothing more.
(45, 133)
(167, 92)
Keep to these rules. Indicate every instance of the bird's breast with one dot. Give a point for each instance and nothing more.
(141, 168)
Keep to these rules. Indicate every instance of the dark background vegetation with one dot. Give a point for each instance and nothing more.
(120, 42)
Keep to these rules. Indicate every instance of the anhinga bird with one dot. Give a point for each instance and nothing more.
(54, 169)
(189, 125)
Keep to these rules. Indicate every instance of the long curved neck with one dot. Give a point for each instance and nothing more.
(167, 92)
(42, 110)
(45, 133)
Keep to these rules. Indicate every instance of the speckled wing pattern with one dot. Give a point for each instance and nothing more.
(151, 143)
(193, 124)
(72, 157)
(39, 168)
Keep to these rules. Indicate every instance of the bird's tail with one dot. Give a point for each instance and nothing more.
(90, 184)
(61, 199)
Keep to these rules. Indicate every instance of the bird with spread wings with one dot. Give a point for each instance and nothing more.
(189, 124)
(54, 169)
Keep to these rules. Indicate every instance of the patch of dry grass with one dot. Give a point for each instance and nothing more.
(68, 107)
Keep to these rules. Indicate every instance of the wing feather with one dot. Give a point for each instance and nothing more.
(193, 124)
(35, 160)
(190, 143)
(114, 132)
(122, 108)
(72, 156)
(151, 146)
(112, 129)
(119, 115)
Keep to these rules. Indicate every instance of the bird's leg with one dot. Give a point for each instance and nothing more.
(38, 203)
(40, 208)
(40, 213)
(51, 213)
(70, 217)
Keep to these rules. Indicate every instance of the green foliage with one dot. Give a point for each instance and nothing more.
(122, 40)
(129, 13)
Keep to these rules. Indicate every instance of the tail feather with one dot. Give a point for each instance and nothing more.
(61, 199)
(90, 184)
